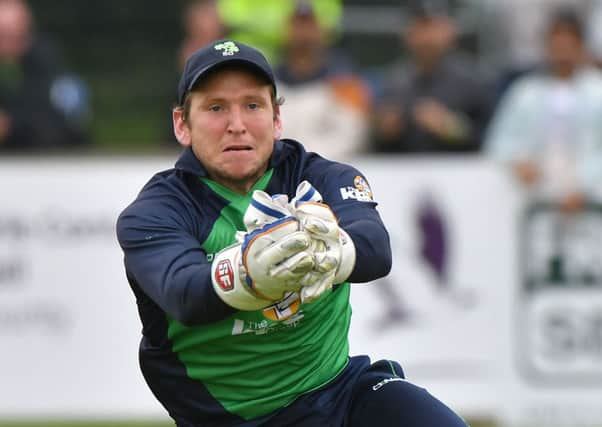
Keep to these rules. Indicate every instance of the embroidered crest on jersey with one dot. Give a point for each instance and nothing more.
(360, 190)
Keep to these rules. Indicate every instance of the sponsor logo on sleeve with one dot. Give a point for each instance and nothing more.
(360, 190)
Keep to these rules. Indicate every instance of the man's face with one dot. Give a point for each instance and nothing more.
(15, 30)
(231, 127)
(305, 32)
(430, 38)
(565, 50)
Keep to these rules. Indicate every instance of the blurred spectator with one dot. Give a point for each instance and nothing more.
(435, 101)
(594, 31)
(263, 23)
(511, 33)
(326, 104)
(202, 25)
(548, 126)
(41, 107)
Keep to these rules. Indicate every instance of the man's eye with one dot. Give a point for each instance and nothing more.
(253, 106)
(215, 108)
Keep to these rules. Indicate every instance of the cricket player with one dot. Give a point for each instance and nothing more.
(241, 259)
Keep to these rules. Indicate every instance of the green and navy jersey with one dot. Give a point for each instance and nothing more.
(206, 362)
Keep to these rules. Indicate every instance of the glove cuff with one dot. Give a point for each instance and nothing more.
(227, 278)
(347, 257)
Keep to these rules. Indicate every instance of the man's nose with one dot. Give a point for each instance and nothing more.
(236, 123)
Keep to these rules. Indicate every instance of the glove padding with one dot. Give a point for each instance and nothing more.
(268, 261)
(230, 281)
(265, 209)
(275, 258)
(333, 249)
(295, 246)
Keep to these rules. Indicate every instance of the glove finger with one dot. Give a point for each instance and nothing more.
(315, 226)
(268, 234)
(275, 206)
(326, 262)
(311, 293)
(317, 246)
(316, 209)
(264, 209)
(293, 268)
(283, 248)
(306, 193)
(282, 201)
(310, 279)
(317, 218)
(326, 257)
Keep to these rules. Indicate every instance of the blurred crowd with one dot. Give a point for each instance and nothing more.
(42, 105)
(518, 81)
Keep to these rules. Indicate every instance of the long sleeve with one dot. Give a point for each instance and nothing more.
(166, 261)
(371, 239)
(509, 137)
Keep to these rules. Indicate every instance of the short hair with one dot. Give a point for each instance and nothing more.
(185, 106)
(566, 18)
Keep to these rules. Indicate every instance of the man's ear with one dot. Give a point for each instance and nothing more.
(277, 123)
(180, 127)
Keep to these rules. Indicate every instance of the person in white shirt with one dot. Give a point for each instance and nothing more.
(548, 127)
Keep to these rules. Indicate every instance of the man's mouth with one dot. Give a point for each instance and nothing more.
(238, 148)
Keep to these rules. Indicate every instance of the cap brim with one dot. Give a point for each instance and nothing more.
(217, 64)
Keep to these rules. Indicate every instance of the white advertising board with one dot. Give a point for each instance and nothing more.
(68, 320)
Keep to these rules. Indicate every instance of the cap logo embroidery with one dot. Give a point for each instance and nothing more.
(229, 48)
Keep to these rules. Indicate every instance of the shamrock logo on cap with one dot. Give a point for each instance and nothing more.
(229, 48)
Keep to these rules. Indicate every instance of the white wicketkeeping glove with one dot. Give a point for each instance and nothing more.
(275, 271)
(333, 249)
(265, 209)
(269, 260)
(276, 257)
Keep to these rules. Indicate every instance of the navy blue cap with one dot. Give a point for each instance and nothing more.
(219, 53)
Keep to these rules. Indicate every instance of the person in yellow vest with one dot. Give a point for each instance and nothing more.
(263, 23)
